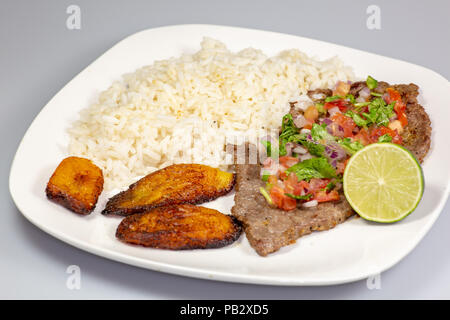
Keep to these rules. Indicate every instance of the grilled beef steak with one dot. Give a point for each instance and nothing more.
(268, 229)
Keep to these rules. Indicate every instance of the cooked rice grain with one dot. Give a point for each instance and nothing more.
(182, 109)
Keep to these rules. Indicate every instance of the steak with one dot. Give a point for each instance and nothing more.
(417, 134)
(268, 229)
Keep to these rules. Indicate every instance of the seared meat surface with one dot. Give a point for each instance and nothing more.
(417, 134)
(268, 229)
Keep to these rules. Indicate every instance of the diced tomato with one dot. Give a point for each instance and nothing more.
(308, 126)
(304, 186)
(341, 166)
(317, 184)
(340, 103)
(290, 183)
(402, 118)
(323, 196)
(363, 137)
(273, 180)
(380, 131)
(282, 201)
(288, 162)
(400, 106)
(282, 174)
(311, 114)
(393, 95)
(289, 203)
(341, 89)
(293, 186)
(277, 195)
(345, 122)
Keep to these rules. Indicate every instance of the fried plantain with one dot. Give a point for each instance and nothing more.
(176, 184)
(179, 227)
(76, 185)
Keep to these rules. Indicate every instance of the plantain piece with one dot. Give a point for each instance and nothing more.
(176, 184)
(179, 227)
(76, 185)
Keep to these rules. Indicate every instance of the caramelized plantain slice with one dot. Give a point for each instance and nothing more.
(76, 185)
(176, 184)
(179, 227)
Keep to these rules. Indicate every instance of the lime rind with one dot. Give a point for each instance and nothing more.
(361, 185)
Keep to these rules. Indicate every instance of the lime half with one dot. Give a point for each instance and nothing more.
(383, 182)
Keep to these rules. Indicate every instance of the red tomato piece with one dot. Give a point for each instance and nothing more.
(323, 196)
(380, 131)
(400, 106)
(317, 184)
(340, 103)
(282, 201)
(363, 137)
(288, 162)
(345, 122)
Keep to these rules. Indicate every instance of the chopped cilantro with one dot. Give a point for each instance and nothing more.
(351, 98)
(379, 113)
(330, 186)
(350, 146)
(359, 121)
(268, 146)
(319, 132)
(371, 83)
(305, 197)
(320, 108)
(265, 176)
(333, 98)
(385, 138)
(288, 129)
(313, 168)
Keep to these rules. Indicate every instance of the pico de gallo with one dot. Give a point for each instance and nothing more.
(305, 164)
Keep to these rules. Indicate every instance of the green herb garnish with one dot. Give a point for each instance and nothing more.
(288, 129)
(319, 132)
(333, 98)
(320, 108)
(330, 186)
(351, 98)
(266, 195)
(385, 138)
(313, 168)
(351, 147)
(371, 83)
(305, 197)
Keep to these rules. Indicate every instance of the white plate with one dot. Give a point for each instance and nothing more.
(351, 251)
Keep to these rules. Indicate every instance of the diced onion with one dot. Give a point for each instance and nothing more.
(300, 121)
(303, 102)
(299, 150)
(305, 156)
(333, 111)
(306, 131)
(310, 204)
(318, 96)
(363, 94)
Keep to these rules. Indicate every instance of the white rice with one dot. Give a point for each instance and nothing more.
(185, 109)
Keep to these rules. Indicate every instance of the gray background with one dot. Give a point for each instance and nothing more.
(38, 55)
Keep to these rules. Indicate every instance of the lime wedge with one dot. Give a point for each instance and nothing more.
(383, 182)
